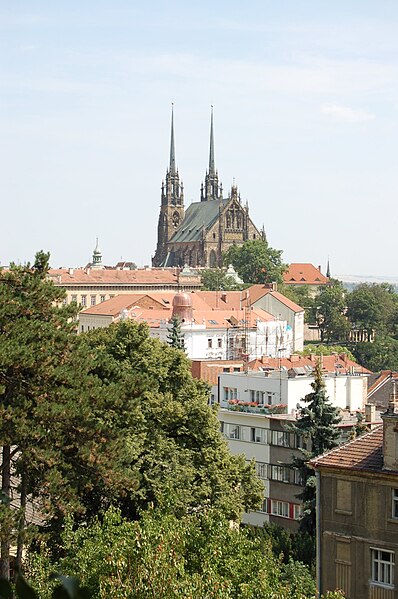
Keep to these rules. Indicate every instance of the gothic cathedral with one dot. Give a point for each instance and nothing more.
(200, 235)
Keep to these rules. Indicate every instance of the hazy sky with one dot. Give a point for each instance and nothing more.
(305, 98)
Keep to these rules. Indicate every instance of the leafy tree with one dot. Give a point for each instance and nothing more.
(180, 457)
(216, 279)
(326, 350)
(381, 354)
(328, 312)
(57, 437)
(256, 262)
(303, 296)
(316, 424)
(175, 337)
(199, 555)
(373, 307)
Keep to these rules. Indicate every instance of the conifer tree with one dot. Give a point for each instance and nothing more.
(316, 425)
(175, 337)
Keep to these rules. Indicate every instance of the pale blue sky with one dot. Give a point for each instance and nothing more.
(305, 98)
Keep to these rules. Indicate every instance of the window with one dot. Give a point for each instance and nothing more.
(225, 393)
(93, 300)
(65, 301)
(258, 435)
(281, 438)
(382, 566)
(394, 503)
(297, 511)
(280, 508)
(298, 480)
(209, 343)
(226, 369)
(219, 342)
(261, 469)
(82, 328)
(234, 431)
(281, 473)
(74, 298)
(83, 300)
(102, 298)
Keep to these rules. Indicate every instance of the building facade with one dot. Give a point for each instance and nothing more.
(357, 514)
(199, 235)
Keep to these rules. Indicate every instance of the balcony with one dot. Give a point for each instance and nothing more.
(235, 405)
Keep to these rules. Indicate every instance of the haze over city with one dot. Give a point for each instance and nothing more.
(305, 115)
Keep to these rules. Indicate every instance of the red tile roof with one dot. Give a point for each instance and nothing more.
(81, 276)
(258, 291)
(334, 363)
(304, 274)
(362, 454)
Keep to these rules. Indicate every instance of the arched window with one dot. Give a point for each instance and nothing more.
(212, 259)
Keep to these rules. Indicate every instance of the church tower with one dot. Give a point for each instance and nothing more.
(211, 190)
(172, 204)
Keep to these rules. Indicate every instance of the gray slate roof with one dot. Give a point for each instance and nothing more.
(199, 215)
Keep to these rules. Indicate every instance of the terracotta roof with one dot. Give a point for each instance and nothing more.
(364, 454)
(304, 274)
(258, 291)
(64, 276)
(334, 363)
(383, 378)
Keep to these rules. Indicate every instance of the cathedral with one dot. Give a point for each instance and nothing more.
(199, 235)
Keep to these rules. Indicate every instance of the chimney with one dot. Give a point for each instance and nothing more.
(319, 268)
(390, 432)
(224, 297)
(71, 271)
(370, 413)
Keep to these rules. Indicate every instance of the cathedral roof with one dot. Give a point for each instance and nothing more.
(198, 216)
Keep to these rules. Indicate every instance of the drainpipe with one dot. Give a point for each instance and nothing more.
(318, 534)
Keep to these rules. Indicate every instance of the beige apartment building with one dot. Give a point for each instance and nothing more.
(357, 529)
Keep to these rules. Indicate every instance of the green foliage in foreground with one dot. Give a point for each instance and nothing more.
(326, 350)
(199, 556)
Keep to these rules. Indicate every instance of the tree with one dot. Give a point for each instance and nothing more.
(216, 279)
(326, 350)
(328, 312)
(175, 337)
(381, 354)
(256, 262)
(199, 555)
(58, 438)
(316, 425)
(373, 308)
(182, 460)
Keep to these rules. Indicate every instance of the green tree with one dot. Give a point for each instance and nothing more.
(57, 437)
(328, 312)
(216, 279)
(175, 337)
(373, 308)
(182, 460)
(381, 354)
(326, 350)
(256, 262)
(316, 425)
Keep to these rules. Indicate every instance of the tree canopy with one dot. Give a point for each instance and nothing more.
(256, 262)
(217, 279)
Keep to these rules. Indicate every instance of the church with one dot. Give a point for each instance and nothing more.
(199, 235)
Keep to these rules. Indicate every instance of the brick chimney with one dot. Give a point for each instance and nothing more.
(390, 432)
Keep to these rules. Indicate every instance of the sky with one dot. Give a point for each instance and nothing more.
(305, 97)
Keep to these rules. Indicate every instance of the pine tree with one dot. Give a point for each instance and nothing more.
(175, 337)
(316, 425)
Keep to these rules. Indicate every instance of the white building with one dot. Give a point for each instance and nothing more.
(284, 393)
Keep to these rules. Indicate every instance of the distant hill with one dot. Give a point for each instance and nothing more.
(351, 281)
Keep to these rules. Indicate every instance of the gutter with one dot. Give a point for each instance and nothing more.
(318, 534)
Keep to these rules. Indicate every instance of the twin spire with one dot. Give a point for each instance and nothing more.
(212, 167)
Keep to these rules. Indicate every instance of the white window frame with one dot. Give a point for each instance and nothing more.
(279, 508)
(382, 570)
(93, 300)
(394, 504)
(83, 300)
(280, 473)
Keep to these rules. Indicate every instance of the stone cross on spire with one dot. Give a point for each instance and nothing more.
(172, 151)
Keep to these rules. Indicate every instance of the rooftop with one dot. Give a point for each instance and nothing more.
(304, 274)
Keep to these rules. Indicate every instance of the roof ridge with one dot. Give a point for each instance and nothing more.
(376, 429)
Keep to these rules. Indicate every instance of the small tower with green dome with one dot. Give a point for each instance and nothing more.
(97, 257)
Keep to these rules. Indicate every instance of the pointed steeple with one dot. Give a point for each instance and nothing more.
(211, 190)
(328, 270)
(97, 256)
(172, 151)
(212, 167)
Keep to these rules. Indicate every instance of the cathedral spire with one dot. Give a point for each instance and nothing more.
(328, 270)
(172, 151)
(212, 168)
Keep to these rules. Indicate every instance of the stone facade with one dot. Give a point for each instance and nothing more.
(199, 236)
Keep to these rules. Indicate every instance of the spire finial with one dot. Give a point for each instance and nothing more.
(172, 152)
(211, 155)
(328, 269)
